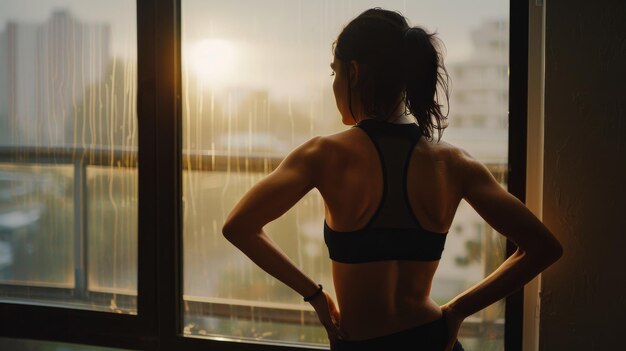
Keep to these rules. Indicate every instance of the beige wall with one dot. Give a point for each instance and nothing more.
(583, 300)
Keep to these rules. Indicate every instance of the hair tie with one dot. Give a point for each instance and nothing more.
(421, 32)
(406, 33)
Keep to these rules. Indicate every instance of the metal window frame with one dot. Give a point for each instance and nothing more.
(158, 322)
(518, 121)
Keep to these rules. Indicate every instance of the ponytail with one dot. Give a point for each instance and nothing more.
(426, 78)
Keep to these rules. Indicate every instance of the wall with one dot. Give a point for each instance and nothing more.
(583, 300)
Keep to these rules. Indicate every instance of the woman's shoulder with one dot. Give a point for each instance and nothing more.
(322, 144)
(321, 147)
(337, 143)
(460, 163)
(442, 151)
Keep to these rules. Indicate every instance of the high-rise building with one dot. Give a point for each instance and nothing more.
(46, 71)
(480, 84)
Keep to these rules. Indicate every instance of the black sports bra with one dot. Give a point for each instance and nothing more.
(393, 232)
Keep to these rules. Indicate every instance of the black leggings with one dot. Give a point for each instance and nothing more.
(431, 336)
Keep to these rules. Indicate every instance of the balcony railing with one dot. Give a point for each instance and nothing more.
(80, 158)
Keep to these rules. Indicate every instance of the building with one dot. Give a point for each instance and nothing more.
(480, 84)
(46, 71)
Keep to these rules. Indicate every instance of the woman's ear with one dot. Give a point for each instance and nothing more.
(354, 70)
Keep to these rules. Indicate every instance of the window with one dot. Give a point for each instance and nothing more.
(121, 151)
(68, 180)
(256, 85)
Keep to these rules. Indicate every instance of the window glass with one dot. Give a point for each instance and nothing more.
(256, 84)
(68, 143)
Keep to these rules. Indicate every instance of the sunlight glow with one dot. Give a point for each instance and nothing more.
(213, 61)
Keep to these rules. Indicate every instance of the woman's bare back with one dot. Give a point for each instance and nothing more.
(379, 298)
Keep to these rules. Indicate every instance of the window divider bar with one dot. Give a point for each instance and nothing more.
(167, 122)
(147, 84)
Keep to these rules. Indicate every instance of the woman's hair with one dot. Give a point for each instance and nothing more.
(395, 60)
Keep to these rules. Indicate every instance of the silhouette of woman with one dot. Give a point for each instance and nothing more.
(391, 190)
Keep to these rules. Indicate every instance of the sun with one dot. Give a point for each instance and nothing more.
(213, 61)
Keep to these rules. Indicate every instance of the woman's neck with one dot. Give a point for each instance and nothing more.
(398, 116)
(402, 119)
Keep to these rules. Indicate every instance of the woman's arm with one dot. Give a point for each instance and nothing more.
(537, 248)
(269, 199)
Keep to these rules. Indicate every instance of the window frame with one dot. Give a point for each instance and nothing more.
(158, 322)
(518, 122)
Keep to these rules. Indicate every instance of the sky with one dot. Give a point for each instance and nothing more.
(263, 43)
(451, 18)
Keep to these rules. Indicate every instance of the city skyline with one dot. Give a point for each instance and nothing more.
(452, 18)
(482, 56)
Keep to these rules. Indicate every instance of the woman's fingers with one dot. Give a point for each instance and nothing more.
(450, 346)
(329, 317)
(453, 321)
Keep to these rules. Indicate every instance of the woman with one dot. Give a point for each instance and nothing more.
(390, 192)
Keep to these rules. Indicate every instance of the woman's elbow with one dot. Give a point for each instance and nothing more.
(230, 230)
(543, 253)
(550, 252)
(556, 252)
(236, 231)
